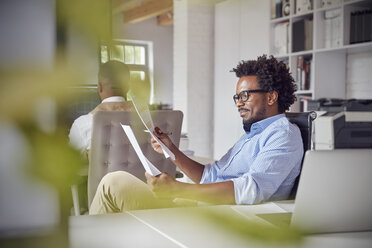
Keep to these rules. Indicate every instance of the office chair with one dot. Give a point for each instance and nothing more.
(304, 121)
(111, 149)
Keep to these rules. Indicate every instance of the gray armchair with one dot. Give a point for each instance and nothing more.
(112, 151)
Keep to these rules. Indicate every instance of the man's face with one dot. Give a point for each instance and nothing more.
(254, 109)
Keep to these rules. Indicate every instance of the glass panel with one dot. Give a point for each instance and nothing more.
(129, 54)
(140, 55)
(137, 76)
(104, 54)
(117, 52)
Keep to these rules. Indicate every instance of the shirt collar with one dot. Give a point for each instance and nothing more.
(114, 99)
(261, 125)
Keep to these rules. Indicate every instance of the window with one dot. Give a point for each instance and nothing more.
(136, 55)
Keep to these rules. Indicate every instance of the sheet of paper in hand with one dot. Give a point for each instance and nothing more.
(145, 116)
(149, 167)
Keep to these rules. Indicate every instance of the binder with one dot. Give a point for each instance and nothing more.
(298, 36)
(281, 38)
(308, 34)
(352, 27)
(359, 26)
(367, 31)
(299, 78)
(278, 8)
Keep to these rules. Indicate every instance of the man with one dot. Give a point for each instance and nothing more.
(113, 85)
(261, 166)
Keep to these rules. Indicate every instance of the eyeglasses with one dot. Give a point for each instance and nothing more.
(244, 95)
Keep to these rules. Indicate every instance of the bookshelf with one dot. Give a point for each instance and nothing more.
(323, 33)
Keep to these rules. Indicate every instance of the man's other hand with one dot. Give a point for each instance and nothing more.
(163, 185)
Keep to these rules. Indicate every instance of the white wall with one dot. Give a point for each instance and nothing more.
(180, 58)
(27, 33)
(241, 33)
(162, 39)
(193, 71)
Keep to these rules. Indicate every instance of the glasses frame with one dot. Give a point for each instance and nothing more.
(238, 97)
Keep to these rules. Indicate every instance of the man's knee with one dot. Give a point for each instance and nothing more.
(120, 181)
(115, 177)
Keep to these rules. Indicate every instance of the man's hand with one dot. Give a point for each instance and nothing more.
(163, 185)
(163, 137)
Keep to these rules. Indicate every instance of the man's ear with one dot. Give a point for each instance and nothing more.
(272, 97)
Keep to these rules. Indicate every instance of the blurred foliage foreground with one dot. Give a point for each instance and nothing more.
(48, 158)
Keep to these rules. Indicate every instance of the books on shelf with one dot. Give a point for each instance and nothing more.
(303, 72)
(360, 25)
(302, 35)
(281, 33)
(330, 3)
(308, 34)
(332, 28)
(303, 103)
(303, 6)
(280, 8)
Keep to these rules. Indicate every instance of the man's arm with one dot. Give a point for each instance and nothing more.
(217, 193)
(191, 168)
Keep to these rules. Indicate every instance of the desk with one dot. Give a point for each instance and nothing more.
(180, 227)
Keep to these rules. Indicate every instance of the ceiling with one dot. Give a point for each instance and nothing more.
(140, 10)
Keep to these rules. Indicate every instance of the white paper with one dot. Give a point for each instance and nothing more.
(149, 167)
(144, 114)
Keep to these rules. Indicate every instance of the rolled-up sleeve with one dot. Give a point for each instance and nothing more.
(245, 190)
(209, 174)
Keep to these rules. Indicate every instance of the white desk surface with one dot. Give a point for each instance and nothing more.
(183, 227)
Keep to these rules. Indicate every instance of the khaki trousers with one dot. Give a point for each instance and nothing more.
(120, 191)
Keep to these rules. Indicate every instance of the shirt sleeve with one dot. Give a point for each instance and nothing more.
(208, 174)
(75, 136)
(279, 157)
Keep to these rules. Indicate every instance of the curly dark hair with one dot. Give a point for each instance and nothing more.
(273, 75)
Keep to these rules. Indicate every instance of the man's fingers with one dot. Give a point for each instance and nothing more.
(158, 130)
(149, 178)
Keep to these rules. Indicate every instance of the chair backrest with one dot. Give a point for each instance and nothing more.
(304, 121)
(111, 150)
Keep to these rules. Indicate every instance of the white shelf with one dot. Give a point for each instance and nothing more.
(329, 8)
(302, 53)
(280, 19)
(304, 92)
(359, 47)
(347, 3)
(328, 63)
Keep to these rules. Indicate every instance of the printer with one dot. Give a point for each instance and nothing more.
(342, 123)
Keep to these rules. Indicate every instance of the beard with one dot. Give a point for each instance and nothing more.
(247, 124)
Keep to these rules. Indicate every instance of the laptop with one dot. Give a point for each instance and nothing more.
(334, 193)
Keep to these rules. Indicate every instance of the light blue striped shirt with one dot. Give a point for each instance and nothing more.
(263, 164)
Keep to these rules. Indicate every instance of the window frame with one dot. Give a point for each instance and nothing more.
(147, 67)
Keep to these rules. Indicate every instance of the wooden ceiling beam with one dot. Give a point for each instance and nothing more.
(148, 9)
(119, 6)
(165, 19)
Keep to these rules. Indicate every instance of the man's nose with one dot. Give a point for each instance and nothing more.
(239, 103)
